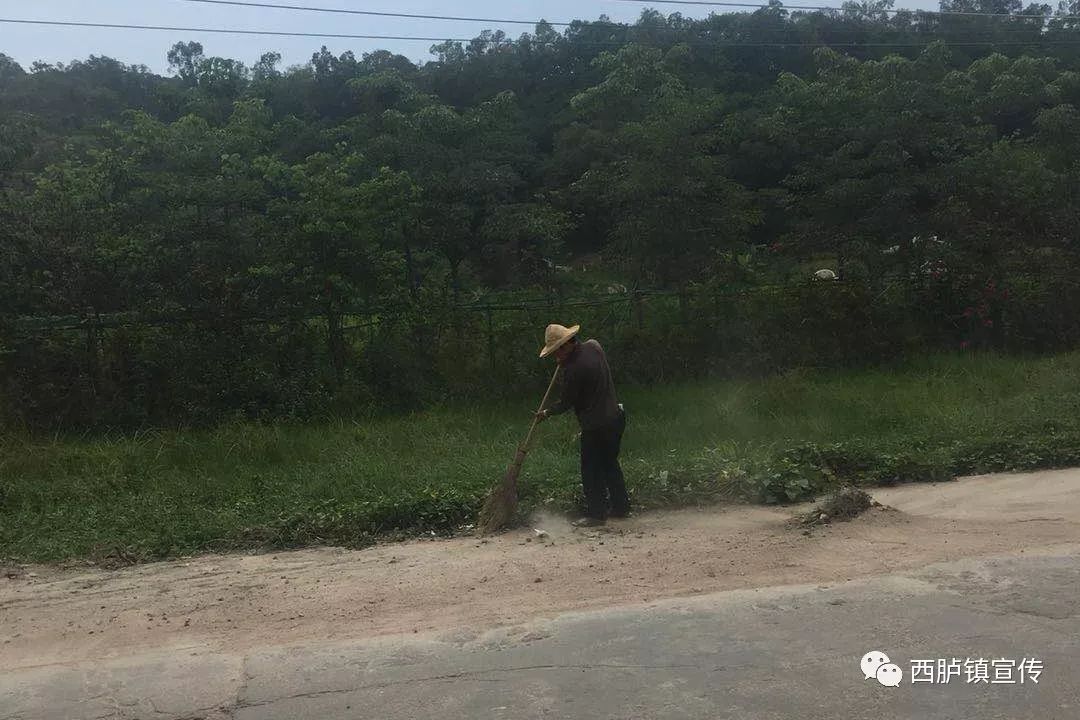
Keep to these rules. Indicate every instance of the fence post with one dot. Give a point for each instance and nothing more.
(491, 339)
(93, 366)
(639, 310)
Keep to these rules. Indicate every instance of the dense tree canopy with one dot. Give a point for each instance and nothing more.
(929, 158)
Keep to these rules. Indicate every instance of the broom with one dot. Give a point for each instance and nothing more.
(501, 502)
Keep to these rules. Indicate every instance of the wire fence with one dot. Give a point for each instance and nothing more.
(500, 315)
(143, 368)
(29, 325)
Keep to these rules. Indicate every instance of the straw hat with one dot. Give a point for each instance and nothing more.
(556, 336)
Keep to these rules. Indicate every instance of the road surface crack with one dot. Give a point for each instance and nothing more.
(472, 675)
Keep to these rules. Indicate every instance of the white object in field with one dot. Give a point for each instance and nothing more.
(825, 274)
(933, 238)
(540, 533)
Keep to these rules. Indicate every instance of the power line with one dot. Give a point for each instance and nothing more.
(245, 3)
(827, 8)
(230, 31)
(415, 16)
(569, 41)
(375, 13)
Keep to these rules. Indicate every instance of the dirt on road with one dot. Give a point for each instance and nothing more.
(238, 602)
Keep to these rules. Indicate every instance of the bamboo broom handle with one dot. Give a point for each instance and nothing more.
(543, 403)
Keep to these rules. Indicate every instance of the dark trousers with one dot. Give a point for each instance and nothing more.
(601, 476)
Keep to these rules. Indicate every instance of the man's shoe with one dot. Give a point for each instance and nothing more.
(588, 522)
(619, 514)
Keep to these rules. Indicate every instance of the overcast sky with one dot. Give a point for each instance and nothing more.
(58, 44)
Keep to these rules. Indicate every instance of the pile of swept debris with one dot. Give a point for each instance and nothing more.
(843, 505)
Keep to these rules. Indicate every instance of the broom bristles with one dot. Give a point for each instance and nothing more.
(500, 504)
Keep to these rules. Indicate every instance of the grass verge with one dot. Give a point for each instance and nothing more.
(784, 439)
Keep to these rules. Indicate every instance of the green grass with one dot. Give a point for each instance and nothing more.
(161, 494)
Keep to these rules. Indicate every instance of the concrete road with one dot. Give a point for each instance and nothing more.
(788, 652)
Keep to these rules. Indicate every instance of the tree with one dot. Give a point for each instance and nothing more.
(9, 70)
(671, 207)
(266, 68)
(338, 240)
(218, 231)
(184, 60)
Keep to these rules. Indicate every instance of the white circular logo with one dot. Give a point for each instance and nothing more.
(871, 661)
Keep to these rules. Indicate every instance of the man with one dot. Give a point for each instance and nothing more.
(587, 387)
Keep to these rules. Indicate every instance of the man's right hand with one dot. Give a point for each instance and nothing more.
(541, 416)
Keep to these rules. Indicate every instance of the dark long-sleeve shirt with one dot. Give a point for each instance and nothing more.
(587, 387)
